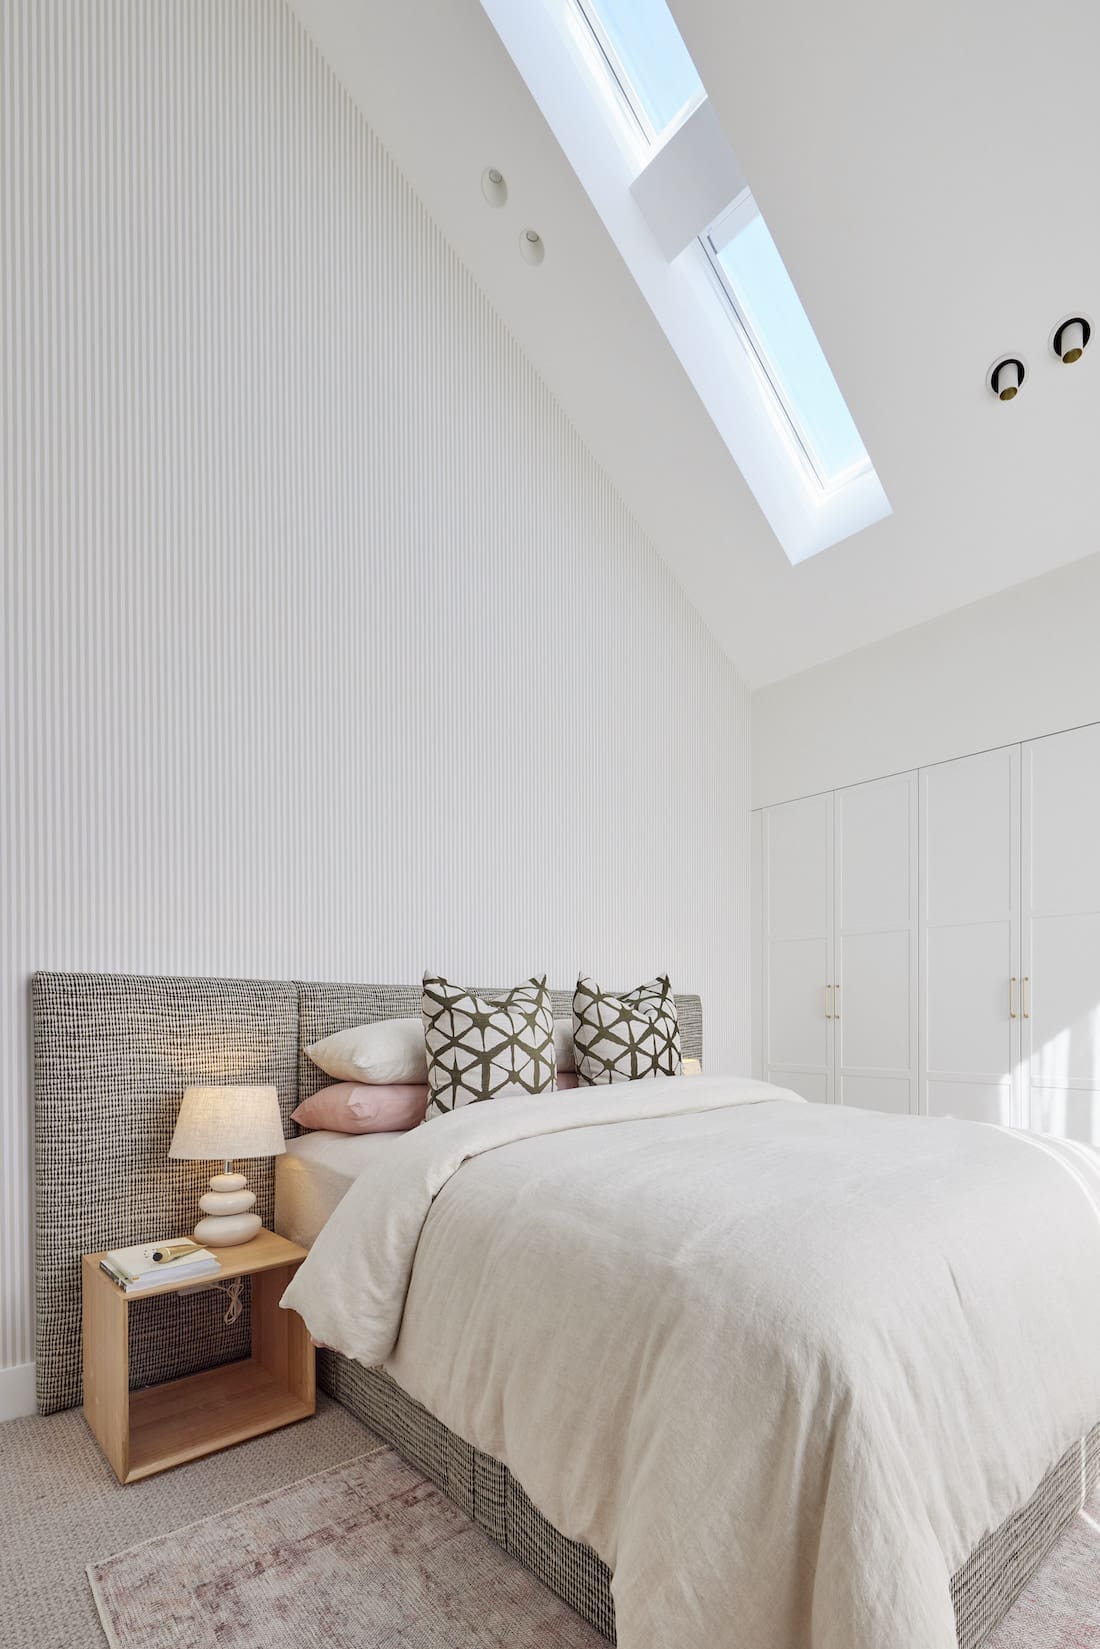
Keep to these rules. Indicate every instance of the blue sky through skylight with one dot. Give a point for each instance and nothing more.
(657, 64)
(792, 355)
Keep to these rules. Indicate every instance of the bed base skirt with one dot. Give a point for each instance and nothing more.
(983, 1590)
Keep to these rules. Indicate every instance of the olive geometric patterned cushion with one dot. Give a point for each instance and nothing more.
(623, 1037)
(479, 1048)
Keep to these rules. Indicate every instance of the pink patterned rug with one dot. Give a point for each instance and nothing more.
(1060, 1607)
(365, 1556)
(370, 1556)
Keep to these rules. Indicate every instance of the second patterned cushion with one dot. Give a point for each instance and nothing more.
(626, 1036)
(477, 1048)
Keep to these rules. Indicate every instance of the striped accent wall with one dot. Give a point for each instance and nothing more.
(326, 648)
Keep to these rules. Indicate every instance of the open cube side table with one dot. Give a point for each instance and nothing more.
(147, 1431)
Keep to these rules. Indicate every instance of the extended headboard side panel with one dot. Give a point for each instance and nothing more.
(112, 1056)
(689, 1011)
(324, 1009)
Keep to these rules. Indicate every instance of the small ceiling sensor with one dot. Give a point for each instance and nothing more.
(1070, 338)
(493, 186)
(531, 249)
(1005, 377)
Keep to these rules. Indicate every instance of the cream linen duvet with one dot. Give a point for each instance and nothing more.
(782, 1366)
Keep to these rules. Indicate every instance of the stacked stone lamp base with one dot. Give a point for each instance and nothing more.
(228, 1124)
(226, 1208)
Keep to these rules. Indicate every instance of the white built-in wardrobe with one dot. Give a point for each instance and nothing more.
(931, 941)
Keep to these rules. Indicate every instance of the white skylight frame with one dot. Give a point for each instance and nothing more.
(655, 210)
(737, 215)
(620, 76)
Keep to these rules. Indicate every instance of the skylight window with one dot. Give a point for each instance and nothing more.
(648, 58)
(618, 87)
(779, 331)
(654, 71)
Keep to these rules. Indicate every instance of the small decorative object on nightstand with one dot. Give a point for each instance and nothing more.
(218, 1125)
(146, 1431)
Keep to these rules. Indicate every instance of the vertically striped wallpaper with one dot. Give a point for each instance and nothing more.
(327, 649)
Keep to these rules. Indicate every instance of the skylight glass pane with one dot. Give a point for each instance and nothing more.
(791, 354)
(652, 56)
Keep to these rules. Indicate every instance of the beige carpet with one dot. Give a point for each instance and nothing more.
(367, 1555)
(61, 1509)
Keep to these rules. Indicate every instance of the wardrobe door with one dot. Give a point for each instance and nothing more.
(1060, 963)
(969, 936)
(875, 894)
(796, 852)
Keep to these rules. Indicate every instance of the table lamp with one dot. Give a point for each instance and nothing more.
(220, 1124)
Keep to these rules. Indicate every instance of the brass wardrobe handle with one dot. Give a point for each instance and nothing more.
(1012, 1014)
(828, 988)
(836, 1001)
(1025, 996)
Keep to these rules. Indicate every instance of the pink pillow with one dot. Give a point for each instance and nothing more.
(356, 1108)
(568, 1079)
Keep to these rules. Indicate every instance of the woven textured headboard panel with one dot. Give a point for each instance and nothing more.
(112, 1056)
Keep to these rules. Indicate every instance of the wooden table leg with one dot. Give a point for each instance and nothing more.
(280, 1340)
(107, 1365)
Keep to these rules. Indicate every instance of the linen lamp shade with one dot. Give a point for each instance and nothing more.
(219, 1124)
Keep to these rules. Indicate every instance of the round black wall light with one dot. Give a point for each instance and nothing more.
(1070, 338)
(1005, 377)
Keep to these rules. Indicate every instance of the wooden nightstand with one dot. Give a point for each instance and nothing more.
(142, 1432)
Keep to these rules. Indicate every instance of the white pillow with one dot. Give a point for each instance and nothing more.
(392, 1050)
(565, 1058)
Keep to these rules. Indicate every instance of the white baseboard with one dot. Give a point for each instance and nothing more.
(16, 1391)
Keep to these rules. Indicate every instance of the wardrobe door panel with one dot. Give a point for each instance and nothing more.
(797, 946)
(875, 840)
(1062, 803)
(969, 936)
(874, 1004)
(972, 1101)
(1071, 1113)
(1063, 1000)
(967, 1006)
(875, 1030)
(878, 1093)
(969, 843)
(1061, 932)
(799, 838)
(797, 1026)
(812, 1086)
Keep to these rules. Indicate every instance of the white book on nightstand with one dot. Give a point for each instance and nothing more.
(159, 1265)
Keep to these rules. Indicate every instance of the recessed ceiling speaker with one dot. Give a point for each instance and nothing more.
(531, 249)
(1005, 377)
(493, 186)
(1070, 338)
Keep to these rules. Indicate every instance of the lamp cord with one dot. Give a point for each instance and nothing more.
(232, 1292)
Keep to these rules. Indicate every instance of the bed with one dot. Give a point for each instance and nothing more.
(315, 1175)
(112, 1056)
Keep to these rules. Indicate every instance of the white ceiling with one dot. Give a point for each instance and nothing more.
(928, 175)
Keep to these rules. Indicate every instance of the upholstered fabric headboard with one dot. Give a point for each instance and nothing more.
(112, 1056)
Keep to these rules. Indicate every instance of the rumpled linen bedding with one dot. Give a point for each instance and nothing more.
(782, 1366)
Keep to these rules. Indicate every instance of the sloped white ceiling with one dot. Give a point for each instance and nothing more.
(927, 175)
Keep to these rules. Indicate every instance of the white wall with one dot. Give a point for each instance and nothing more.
(1014, 666)
(328, 651)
